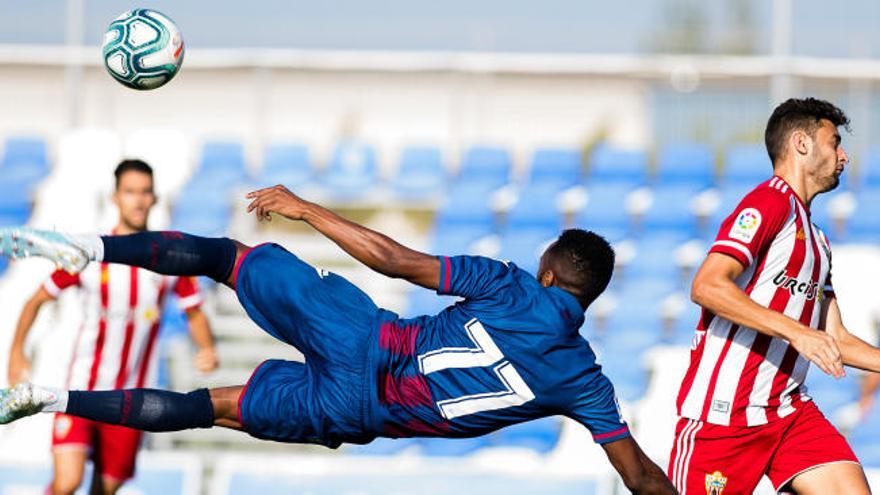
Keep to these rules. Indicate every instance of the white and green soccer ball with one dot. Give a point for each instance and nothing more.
(143, 49)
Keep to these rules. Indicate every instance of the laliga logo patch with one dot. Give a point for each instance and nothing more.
(746, 225)
(715, 483)
(62, 427)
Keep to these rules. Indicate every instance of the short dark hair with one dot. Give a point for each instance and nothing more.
(803, 114)
(585, 262)
(132, 165)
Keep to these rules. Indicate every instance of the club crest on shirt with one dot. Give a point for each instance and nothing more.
(801, 235)
(746, 225)
(715, 483)
(62, 427)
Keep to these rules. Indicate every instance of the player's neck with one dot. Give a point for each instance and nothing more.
(797, 181)
(123, 228)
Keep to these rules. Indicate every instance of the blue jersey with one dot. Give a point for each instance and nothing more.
(510, 351)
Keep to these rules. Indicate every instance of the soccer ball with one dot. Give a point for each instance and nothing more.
(143, 49)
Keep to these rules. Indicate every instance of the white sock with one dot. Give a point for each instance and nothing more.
(55, 400)
(91, 243)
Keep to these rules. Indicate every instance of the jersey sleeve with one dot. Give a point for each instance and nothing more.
(188, 294)
(472, 277)
(751, 228)
(60, 280)
(597, 409)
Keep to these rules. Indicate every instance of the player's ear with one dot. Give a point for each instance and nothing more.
(801, 141)
(547, 278)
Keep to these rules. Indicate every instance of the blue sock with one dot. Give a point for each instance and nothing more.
(173, 253)
(144, 409)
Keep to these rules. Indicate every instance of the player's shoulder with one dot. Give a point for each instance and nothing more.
(773, 194)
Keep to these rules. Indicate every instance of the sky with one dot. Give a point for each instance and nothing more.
(821, 28)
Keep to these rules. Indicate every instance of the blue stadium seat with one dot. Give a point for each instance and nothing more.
(453, 239)
(4, 264)
(540, 435)
(524, 246)
(864, 224)
(687, 164)
(685, 326)
(420, 174)
(352, 170)
(536, 207)
(606, 208)
(15, 202)
(286, 163)
(730, 196)
(485, 165)
(467, 205)
(24, 163)
(831, 393)
(558, 166)
(655, 259)
(609, 164)
(451, 447)
(221, 167)
(746, 164)
(670, 211)
(201, 211)
(626, 372)
(863, 438)
(869, 172)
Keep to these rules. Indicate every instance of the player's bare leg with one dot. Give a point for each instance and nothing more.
(840, 477)
(225, 402)
(69, 465)
(639, 473)
(106, 485)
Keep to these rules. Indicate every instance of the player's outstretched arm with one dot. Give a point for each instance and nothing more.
(853, 350)
(377, 251)
(639, 473)
(714, 289)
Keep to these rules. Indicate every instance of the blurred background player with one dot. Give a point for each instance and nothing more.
(769, 310)
(116, 343)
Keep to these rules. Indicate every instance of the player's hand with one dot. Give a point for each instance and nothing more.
(206, 360)
(277, 199)
(19, 368)
(820, 348)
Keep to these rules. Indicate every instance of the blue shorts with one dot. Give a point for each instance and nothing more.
(334, 324)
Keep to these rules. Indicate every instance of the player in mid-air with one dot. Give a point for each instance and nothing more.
(509, 352)
(768, 311)
(115, 344)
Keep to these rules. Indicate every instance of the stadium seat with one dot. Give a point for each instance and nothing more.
(536, 208)
(609, 164)
(24, 163)
(420, 174)
(557, 166)
(540, 435)
(671, 211)
(453, 239)
(468, 205)
(864, 224)
(626, 372)
(15, 202)
(606, 208)
(831, 393)
(4, 264)
(287, 164)
(485, 165)
(746, 164)
(352, 170)
(221, 167)
(869, 172)
(523, 246)
(655, 259)
(451, 447)
(688, 164)
(863, 438)
(729, 196)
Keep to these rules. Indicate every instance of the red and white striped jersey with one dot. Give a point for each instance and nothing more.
(737, 376)
(115, 346)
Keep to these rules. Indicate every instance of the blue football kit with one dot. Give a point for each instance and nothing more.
(509, 351)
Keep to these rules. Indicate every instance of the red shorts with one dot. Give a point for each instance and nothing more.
(114, 448)
(715, 459)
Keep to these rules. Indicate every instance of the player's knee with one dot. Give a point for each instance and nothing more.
(110, 486)
(66, 483)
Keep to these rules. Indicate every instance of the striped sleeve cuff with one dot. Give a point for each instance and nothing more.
(611, 436)
(190, 302)
(735, 249)
(51, 288)
(445, 275)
